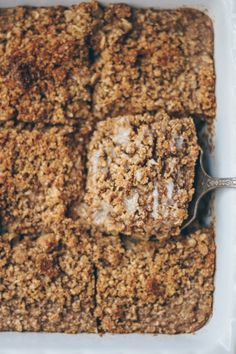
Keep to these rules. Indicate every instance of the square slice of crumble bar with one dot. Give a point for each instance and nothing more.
(145, 287)
(154, 59)
(140, 174)
(47, 282)
(41, 173)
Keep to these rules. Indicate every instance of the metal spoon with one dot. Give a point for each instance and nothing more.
(204, 184)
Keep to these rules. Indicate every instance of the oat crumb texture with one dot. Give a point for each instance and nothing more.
(145, 288)
(99, 118)
(140, 174)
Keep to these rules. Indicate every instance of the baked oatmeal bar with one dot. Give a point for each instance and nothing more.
(80, 246)
(47, 284)
(45, 64)
(140, 174)
(142, 287)
(41, 173)
(154, 59)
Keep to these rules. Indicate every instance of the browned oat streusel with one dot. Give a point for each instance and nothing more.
(142, 287)
(47, 284)
(41, 173)
(45, 65)
(151, 59)
(140, 174)
(144, 73)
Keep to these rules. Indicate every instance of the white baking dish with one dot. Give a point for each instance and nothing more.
(219, 335)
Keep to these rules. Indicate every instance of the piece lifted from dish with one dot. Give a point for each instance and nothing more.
(140, 174)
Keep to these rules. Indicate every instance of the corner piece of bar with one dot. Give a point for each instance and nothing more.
(45, 66)
(155, 59)
(148, 288)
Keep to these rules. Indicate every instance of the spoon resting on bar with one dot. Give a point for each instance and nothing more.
(204, 184)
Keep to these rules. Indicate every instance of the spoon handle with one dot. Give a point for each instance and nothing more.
(213, 183)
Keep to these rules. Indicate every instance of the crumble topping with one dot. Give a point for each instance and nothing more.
(154, 59)
(41, 173)
(145, 287)
(45, 65)
(140, 174)
(47, 283)
(74, 264)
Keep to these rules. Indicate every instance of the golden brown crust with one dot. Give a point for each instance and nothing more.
(41, 173)
(144, 60)
(140, 175)
(47, 284)
(155, 59)
(62, 70)
(45, 68)
(142, 287)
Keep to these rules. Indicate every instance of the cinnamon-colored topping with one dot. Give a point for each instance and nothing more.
(98, 146)
(142, 287)
(140, 175)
